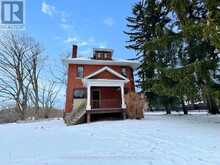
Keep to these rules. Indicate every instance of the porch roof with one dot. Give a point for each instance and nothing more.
(104, 82)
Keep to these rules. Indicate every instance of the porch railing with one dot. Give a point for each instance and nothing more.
(106, 103)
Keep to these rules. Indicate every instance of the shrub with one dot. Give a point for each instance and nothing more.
(9, 115)
(136, 103)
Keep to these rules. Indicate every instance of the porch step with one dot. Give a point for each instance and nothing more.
(75, 117)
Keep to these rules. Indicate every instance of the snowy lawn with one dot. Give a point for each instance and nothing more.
(156, 140)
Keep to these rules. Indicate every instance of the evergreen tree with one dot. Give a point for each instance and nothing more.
(177, 43)
(149, 18)
(200, 52)
(212, 24)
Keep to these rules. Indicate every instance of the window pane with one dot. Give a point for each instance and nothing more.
(106, 55)
(124, 72)
(80, 71)
(79, 93)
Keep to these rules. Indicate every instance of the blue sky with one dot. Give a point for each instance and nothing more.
(57, 24)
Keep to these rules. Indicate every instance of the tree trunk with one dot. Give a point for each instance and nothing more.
(212, 106)
(168, 111)
(34, 79)
(19, 110)
(185, 111)
(36, 110)
(193, 104)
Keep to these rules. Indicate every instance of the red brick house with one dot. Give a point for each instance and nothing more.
(99, 82)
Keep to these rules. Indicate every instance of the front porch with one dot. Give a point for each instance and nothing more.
(105, 94)
(105, 97)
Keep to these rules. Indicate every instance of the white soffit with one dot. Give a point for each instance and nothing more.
(119, 62)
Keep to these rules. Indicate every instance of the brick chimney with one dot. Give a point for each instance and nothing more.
(74, 51)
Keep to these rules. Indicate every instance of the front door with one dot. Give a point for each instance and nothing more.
(95, 98)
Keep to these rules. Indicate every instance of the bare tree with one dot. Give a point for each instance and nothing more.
(17, 52)
(34, 73)
(48, 96)
(60, 74)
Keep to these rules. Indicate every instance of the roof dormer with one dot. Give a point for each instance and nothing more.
(102, 54)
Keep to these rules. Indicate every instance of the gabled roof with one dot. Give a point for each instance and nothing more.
(109, 70)
(82, 60)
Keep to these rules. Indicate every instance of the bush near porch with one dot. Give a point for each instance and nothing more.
(136, 104)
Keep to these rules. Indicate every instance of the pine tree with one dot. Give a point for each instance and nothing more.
(146, 23)
(200, 52)
(212, 24)
(177, 43)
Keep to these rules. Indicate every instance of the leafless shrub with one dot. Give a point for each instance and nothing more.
(135, 105)
(44, 113)
(10, 115)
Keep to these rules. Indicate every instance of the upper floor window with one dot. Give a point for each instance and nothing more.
(99, 55)
(124, 72)
(102, 54)
(80, 71)
(79, 93)
(106, 56)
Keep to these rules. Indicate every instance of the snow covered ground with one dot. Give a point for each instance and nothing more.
(156, 140)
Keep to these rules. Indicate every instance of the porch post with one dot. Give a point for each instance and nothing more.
(123, 105)
(88, 106)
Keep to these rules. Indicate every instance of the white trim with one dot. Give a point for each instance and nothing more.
(104, 82)
(88, 105)
(102, 49)
(109, 70)
(123, 105)
(82, 60)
